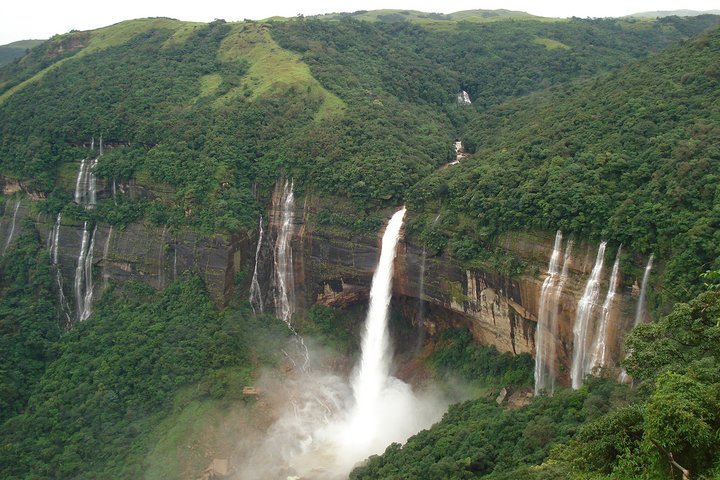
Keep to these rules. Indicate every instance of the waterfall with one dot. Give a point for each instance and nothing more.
(373, 373)
(599, 351)
(54, 253)
(87, 270)
(582, 329)
(640, 312)
(284, 276)
(106, 250)
(80, 182)
(12, 228)
(86, 183)
(463, 98)
(256, 301)
(92, 181)
(545, 336)
(55, 240)
(83, 284)
(331, 425)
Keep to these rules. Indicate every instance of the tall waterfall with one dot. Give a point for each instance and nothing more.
(284, 276)
(256, 301)
(599, 350)
(640, 311)
(331, 425)
(582, 330)
(83, 285)
(375, 360)
(547, 314)
(12, 228)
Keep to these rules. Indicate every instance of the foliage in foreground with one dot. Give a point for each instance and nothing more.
(91, 413)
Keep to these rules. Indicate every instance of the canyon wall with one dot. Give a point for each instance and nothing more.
(335, 268)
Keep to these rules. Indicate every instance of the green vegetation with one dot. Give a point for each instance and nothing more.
(15, 50)
(28, 321)
(601, 431)
(457, 353)
(631, 157)
(92, 413)
(348, 108)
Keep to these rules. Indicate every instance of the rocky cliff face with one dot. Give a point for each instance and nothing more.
(500, 311)
(335, 269)
(139, 251)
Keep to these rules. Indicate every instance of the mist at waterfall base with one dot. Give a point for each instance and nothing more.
(330, 422)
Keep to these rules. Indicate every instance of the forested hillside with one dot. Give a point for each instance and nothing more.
(630, 157)
(605, 129)
(15, 50)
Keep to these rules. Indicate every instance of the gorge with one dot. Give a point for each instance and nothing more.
(206, 270)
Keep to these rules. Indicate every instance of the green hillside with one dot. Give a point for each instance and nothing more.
(630, 157)
(15, 50)
(425, 18)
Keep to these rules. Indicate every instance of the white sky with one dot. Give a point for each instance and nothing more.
(25, 19)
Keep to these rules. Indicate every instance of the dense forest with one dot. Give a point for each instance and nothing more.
(608, 129)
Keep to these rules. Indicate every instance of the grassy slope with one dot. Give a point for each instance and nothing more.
(415, 16)
(273, 70)
(14, 50)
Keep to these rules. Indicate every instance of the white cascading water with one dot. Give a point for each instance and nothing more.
(55, 240)
(87, 271)
(373, 371)
(83, 285)
(284, 275)
(80, 182)
(544, 336)
(12, 227)
(463, 98)
(600, 344)
(86, 183)
(640, 311)
(331, 427)
(54, 257)
(106, 250)
(582, 330)
(256, 301)
(79, 274)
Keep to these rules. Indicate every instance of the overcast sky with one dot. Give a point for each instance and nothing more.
(23, 19)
